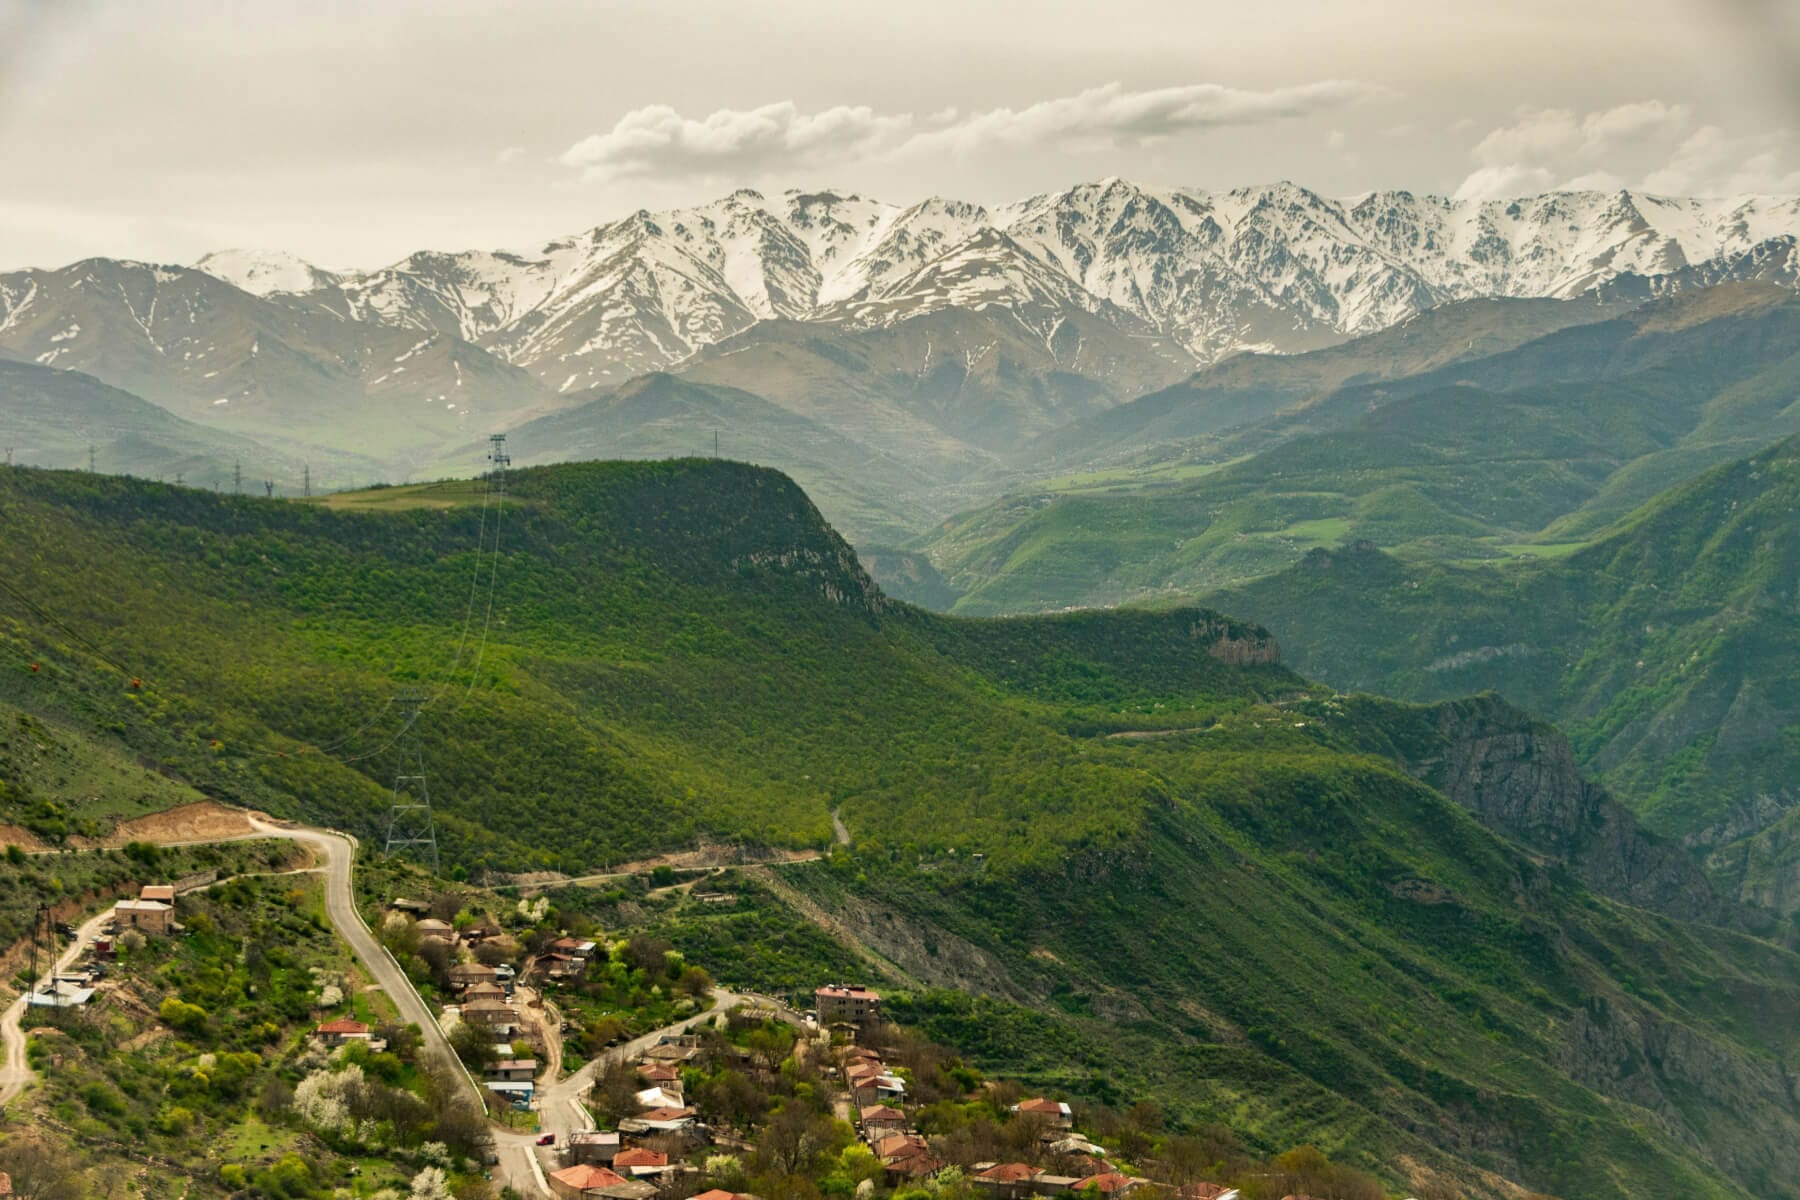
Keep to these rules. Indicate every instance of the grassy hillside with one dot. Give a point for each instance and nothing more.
(1533, 450)
(1665, 649)
(1134, 834)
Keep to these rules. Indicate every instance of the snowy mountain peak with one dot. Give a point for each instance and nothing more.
(265, 272)
(1275, 266)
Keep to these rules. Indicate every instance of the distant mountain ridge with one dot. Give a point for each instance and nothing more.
(1275, 267)
(965, 345)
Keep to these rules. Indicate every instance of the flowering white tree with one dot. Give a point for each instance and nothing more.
(330, 996)
(431, 1184)
(322, 1099)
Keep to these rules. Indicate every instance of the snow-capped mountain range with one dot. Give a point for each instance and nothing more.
(1272, 268)
(938, 338)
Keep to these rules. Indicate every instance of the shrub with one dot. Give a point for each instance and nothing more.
(182, 1015)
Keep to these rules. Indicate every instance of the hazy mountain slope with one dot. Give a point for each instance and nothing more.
(1539, 444)
(1248, 388)
(1665, 649)
(665, 416)
(270, 368)
(50, 418)
(1264, 917)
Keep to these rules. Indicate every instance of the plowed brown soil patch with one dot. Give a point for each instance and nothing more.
(203, 820)
(13, 835)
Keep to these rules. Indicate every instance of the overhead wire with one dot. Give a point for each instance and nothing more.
(445, 682)
(487, 618)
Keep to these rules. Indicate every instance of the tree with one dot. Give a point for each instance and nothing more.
(614, 1094)
(39, 1172)
(473, 1044)
(438, 956)
(430, 1184)
(794, 1138)
(694, 982)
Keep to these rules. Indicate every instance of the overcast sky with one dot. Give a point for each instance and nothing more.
(354, 133)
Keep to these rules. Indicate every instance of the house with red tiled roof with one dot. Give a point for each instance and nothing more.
(658, 1073)
(665, 1120)
(1011, 1181)
(1055, 1111)
(582, 1180)
(639, 1161)
(880, 1120)
(913, 1163)
(336, 1033)
(846, 1005)
(1109, 1184)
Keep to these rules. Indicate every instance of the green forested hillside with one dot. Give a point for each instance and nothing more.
(1667, 651)
(1532, 450)
(1148, 857)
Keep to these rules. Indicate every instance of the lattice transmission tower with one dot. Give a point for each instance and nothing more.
(410, 827)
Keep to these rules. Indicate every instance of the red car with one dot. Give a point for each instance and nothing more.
(549, 1139)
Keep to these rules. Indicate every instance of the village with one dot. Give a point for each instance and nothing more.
(663, 1149)
(725, 1094)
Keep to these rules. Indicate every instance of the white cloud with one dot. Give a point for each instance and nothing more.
(658, 140)
(510, 154)
(1649, 141)
(1709, 160)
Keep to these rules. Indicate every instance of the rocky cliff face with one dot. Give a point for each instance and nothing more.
(1750, 1123)
(1519, 777)
(1236, 644)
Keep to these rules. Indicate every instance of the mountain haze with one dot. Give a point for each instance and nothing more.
(1538, 445)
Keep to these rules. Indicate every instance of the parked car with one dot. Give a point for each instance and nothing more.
(549, 1139)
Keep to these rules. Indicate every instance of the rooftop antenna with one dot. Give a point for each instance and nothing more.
(410, 827)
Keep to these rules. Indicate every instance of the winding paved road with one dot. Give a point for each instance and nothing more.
(339, 854)
(522, 1163)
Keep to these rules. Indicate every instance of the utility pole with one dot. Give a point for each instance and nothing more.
(90, 458)
(269, 488)
(178, 479)
(43, 933)
(498, 456)
(715, 443)
(9, 451)
(307, 469)
(410, 826)
(237, 478)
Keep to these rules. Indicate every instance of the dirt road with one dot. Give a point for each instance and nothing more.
(16, 1074)
(338, 853)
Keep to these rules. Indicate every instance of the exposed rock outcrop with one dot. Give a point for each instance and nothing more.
(1519, 777)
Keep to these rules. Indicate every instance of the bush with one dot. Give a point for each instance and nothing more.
(182, 1015)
